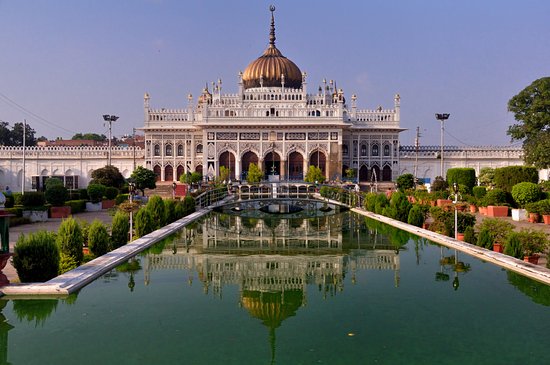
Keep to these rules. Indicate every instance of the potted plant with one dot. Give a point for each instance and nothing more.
(95, 194)
(57, 195)
(532, 243)
(464, 220)
(495, 200)
(110, 195)
(534, 212)
(544, 210)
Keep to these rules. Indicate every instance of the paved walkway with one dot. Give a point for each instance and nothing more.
(50, 225)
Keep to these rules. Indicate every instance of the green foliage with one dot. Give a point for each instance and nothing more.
(487, 176)
(405, 182)
(443, 221)
(108, 176)
(77, 206)
(155, 206)
(507, 177)
(351, 173)
(314, 175)
(464, 220)
(499, 229)
(417, 215)
(530, 107)
(36, 257)
(170, 210)
(399, 207)
(66, 263)
(98, 238)
(52, 181)
(254, 174)
(90, 136)
(479, 191)
(10, 200)
(381, 202)
(224, 175)
(111, 192)
(96, 192)
(485, 239)
(143, 223)
(463, 176)
(494, 197)
(83, 194)
(191, 178)
(56, 195)
(538, 292)
(34, 310)
(121, 198)
(543, 207)
(370, 201)
(469, 235)
(189, 204)
(512, 246)
(70, 240)
(439, 184)
(526, 192)
(120, 227)
(144, 179)
(532, 241)
(33, 199)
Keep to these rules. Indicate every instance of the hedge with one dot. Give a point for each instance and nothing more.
(462, 176)
(507, 177)
(77, 206)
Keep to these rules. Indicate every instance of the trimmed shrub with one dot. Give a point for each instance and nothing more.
(17, 198)
(405, 181)
(416, 216)
(494, 197)
(10, 200)
(439, 184)
(96, 192)
(399, 207)
(111, 192)
(33, 199)
(469, 235)
(143, 223)
(83, 194)
(170, 211)
(380, 203)
(465, 176)
(66, 263)
(485, 239)
(121, 198)
(36, 257)
(526, 192)
(77, 206)
(497, 229)
(56, 195)
(507, 177)
(155, 206)
(18, 211)
(98, 238)
(74, 195)
(70, 240)
(189, 204)
(479, 191)
(370, 201)
(119, 229)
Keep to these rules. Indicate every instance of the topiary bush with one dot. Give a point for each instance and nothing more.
(416, 216)
(525, 193)
(494, 197)
(33, 199)
(143, 223)
(70, 240)
(170, 211)
(36, 257)
(119, 229)
(439, 184)
(479, 191)
(485, 239)
(497, 228)
(98, 238)
(507, 177)
(66, 263)
(96, 192)
(405, 182)
(121, 198)
(465, 176)
(469, 235)
(189, 204)
(155, 206)
(56, 195)
(111, 192)
(512, 246)
(77, 206)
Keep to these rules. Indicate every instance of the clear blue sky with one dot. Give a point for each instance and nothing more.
(68, 62)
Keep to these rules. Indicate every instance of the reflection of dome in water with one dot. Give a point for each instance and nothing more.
(272, 68)
(272, 308)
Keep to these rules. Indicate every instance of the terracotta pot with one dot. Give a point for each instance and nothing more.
(442, 202)
(460, 236)
(106, 204)
(460, 208)
(60, 212)
(533, 259)
(425, 225)
(497, 211)
(473, 208)
(85, 250)
(534, 217)
(546, 218)
(483, 210)
(497, 247)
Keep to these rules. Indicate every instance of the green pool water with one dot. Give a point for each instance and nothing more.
(335, 289)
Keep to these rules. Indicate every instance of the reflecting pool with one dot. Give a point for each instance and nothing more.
(333, 289)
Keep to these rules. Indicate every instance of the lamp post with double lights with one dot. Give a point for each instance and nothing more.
(131, 190)
(109, 119)
(442, 117)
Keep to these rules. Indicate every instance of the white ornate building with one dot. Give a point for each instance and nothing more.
(276, 121)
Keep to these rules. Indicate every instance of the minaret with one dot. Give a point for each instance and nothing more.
(397, 101)
(354, 107)
(241, 85)
(304, 85)
(146, 98)
(190, 114)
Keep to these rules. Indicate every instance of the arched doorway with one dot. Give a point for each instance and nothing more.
(364, 174)
(272, 164)
(179, 172)
(198, 169)
(248, 158)
(386, 173)
(227, 159)
(157, 171)
(168, 173)
(318, 159)
(296, 166)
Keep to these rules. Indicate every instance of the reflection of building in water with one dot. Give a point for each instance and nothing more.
(5, 327)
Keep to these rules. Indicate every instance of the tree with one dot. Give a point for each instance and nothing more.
(224, 174)
(108, 176)
(487, 176)
(314, 175)
(255, 174)
(531, 107)
(5, 134)
(405, 181)
(90, 136)
(144, 179)
(16, 138)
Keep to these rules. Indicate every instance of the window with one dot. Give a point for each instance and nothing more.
(387, 150)
(180, 150)
(156, 150)
(375, 150)
(363, 150)
(199, 148)
(345, 149)
(168, 150)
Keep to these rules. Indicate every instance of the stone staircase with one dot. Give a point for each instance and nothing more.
(163, 189)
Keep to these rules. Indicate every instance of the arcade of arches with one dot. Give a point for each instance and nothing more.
(372, 174)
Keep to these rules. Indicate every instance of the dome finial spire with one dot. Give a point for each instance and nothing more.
(272, 31)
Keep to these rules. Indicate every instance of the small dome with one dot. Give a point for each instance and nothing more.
(271, 68)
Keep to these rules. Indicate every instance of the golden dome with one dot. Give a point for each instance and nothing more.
(271, 68)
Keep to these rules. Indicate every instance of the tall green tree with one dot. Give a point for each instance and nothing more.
(255, 174)
(5, 134)
(314, 175)
(16, 135)
(531, 108)
(108, 176)
(144, 179)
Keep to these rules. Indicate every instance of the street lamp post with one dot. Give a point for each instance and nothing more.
(442, 117)
(110, 119)
(131, 190)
